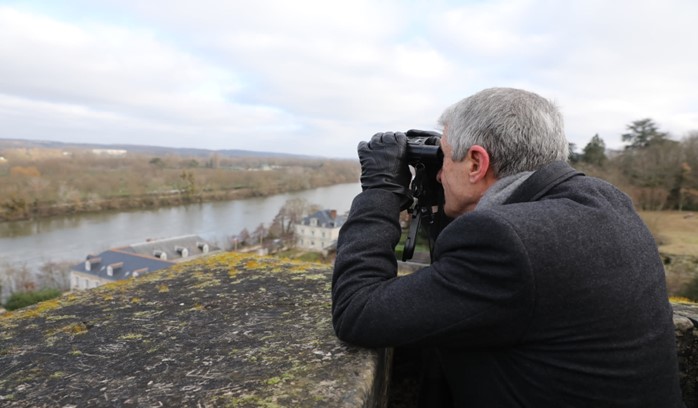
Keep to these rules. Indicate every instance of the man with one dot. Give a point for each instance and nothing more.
(546, 289)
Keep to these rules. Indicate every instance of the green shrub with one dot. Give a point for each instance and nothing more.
(19, 300)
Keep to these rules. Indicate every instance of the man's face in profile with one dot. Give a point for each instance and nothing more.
(458, 192)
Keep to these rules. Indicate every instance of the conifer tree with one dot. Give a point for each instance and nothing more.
(595, 151)
(643, 133)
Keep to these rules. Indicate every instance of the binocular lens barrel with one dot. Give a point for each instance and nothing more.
(426, 154)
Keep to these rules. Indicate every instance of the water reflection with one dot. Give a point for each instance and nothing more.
(21, 228)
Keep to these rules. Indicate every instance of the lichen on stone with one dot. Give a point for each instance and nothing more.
(226, 330)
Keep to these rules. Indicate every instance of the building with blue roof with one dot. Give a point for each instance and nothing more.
(110, 266)
(319, 231)
(137, 260)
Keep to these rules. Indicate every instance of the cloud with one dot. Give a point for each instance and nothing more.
(316, 77)
(110, 80)
(605, 63)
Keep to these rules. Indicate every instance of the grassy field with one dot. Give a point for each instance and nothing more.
(676, 232)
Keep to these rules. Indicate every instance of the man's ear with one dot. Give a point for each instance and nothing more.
(479, 164)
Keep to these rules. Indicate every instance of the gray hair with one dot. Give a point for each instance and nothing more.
(520, 130)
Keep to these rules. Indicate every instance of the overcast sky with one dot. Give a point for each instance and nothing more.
(316, 77)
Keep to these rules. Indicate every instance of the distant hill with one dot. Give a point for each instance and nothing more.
(148, 150)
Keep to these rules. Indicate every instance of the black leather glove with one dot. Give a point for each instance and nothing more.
(384, 165)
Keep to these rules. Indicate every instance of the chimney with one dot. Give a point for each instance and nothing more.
(92, 261)
(333, 214)
(112, 267)
(182, 251)
(160, 254)
(203, 247)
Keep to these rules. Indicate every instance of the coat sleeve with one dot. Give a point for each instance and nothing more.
(479, 291)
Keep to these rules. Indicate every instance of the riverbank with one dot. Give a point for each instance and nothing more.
(21, 211)
(38, 183)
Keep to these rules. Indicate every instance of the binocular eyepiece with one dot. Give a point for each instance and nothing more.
(424, 147)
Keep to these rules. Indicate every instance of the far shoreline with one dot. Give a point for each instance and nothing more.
(39, 211)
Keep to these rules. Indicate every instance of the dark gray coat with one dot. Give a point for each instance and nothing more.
(556, 301)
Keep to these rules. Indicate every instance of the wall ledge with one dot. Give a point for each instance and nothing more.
(226, 330)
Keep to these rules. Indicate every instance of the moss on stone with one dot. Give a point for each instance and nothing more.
(227, 330)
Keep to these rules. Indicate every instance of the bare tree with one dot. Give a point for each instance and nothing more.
(243, 236)
(260, 233)
(17, 278)
(291, 213)
(55, 275)
(652, 165)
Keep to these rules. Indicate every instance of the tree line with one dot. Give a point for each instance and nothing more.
(40, 182)
(656, 171)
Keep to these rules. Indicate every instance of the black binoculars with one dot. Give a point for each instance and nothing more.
(425, 155)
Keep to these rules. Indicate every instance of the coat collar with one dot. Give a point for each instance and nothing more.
(542, 181)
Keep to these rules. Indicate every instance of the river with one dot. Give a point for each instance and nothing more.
(71, 238)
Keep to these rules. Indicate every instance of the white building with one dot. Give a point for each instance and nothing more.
(319, 231)
(110, 152)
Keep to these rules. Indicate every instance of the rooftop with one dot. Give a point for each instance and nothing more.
(116, 265)
(325, 218)
(172, 248)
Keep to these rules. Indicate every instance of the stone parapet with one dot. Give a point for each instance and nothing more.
(686, 323)
(229, 330)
